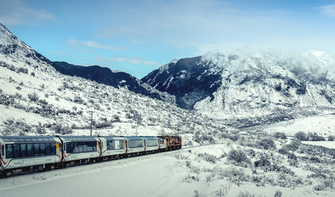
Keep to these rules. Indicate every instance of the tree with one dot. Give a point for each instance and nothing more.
(267, 143)
(280, 135)
(301, 136)
(331, 138)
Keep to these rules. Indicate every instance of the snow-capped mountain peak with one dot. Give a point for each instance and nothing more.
(249, 81)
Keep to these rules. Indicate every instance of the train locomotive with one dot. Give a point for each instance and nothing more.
(42, 153)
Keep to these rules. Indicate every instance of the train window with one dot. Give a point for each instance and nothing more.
(68, 145)
(16, 150)
(53, 148)
(3, 150)
(30, 148)
(23, 150)
(110, 145)
(42, 149)
(37, 150)
(28, 139)
(9, 151)
(151, 143)
(14, 139)
(121, 144)
(21, 139)
(135, 143)
(89, 147)
(47, 149)
(71, 147)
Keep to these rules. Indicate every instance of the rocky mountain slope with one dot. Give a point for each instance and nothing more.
(117, 79)
(249, 82)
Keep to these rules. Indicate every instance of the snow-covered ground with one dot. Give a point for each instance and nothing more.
(179, 173)
(327, 144)
(323, 125)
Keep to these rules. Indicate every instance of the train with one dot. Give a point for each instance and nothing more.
(43, 153)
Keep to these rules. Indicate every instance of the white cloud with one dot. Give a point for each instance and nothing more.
(91, 44)
(16, 12)
(127, 60)
(328, 10)
(117, 31)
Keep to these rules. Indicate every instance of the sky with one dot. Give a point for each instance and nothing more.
(139, 36)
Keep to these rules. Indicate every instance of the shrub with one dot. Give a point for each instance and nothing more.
(267, 144)
(208, 157)
(262, 162)
(33, 96)
(22, 70)
(301, 136)
(278, 193)
(238, 156)
(251, 152)
(293, 162)
(291, 156)
(40, 130)
(284, 150)
(77, 99)
(43, 102)
(280, 135)
(331, 138)
(19, 106)
(315, 159)
(245, 194)
(294, 145)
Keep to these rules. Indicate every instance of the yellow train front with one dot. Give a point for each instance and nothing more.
(173, 142)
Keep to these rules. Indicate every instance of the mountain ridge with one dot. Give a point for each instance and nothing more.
(248, 82)
(12, 46)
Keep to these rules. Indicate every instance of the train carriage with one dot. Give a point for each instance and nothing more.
(112, 146)
(151, 144)
(80, 149)
(135, 145)
(27, 153)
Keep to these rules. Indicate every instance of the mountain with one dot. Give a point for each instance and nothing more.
(116, 79)
(10, 45)
(249, 82)
(36, 99)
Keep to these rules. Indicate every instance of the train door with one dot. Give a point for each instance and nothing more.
(2, 154)
(126, 146)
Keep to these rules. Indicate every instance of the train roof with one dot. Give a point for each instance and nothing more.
(133, 137)
(28, 139)
(112, 137)
(79, 138)
(150, 137)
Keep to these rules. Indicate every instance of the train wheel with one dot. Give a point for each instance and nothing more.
(63, 165)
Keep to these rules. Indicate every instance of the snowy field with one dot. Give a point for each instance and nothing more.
(164, 174)
(327, 144)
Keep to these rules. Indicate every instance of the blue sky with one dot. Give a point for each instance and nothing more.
(138, 36)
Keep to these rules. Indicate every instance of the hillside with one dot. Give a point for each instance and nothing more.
(117, 79)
